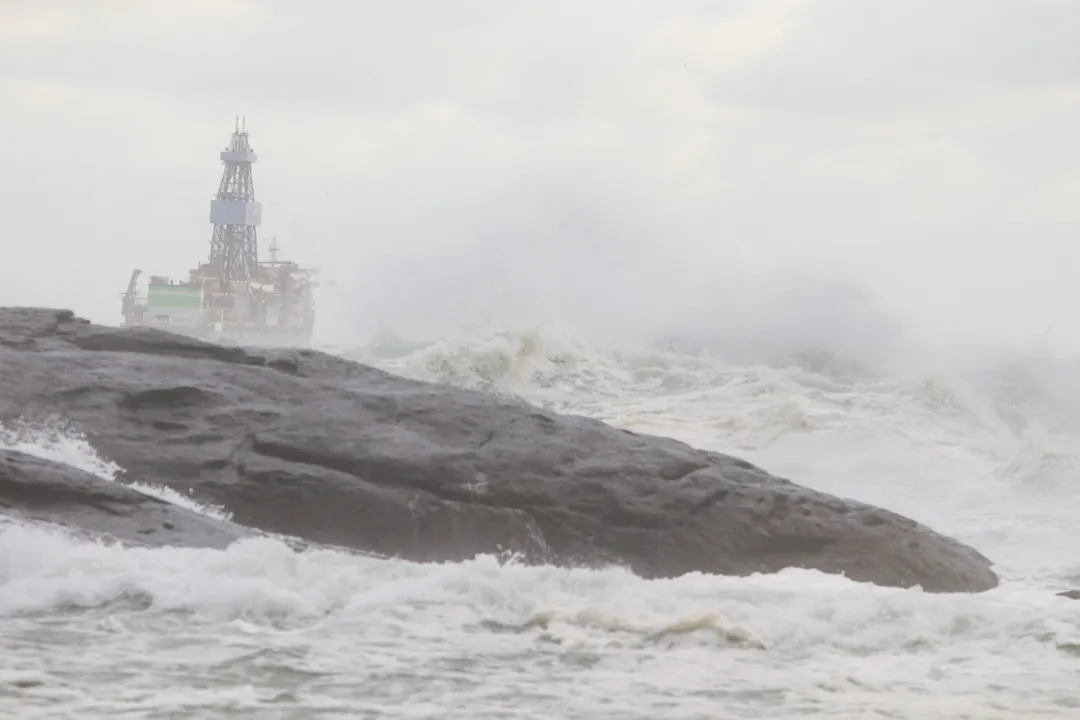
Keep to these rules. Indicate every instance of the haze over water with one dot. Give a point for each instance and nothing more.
(835, 238)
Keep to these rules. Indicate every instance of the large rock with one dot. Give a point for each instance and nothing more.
(307, 444)
(37, 490)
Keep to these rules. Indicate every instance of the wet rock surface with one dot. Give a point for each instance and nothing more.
(37, 490)
(307, 444)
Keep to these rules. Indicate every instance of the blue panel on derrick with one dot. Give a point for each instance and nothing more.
(235, 212)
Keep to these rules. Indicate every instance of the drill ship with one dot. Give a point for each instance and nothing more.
(235, 296)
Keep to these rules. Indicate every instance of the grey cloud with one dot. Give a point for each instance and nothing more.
(526, 60)
(829, 161)
(852, 56)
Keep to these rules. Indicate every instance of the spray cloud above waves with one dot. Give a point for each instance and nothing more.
(602, 262)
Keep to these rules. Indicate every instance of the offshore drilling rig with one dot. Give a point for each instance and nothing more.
(234, 296)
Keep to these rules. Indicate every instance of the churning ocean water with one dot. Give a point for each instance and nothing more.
(989, 456)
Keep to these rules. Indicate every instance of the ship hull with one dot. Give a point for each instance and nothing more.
(276, 308)
(247, 336)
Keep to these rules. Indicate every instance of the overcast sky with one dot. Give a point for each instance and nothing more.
(605, 162)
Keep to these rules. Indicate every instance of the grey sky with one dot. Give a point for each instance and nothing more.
(616, 163)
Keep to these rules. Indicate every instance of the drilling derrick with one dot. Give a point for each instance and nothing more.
(234, 249)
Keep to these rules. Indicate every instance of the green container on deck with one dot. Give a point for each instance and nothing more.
(174, 297)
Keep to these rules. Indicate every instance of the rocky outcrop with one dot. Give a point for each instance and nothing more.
(311, 445)
(37, 490)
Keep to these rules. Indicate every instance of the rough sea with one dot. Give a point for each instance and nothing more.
(988, 454)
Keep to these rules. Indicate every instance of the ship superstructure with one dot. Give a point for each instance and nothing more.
(234, 295)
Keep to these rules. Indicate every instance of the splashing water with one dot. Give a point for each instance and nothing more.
(63, 444)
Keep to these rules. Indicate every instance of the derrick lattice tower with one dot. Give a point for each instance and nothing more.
(234, 249)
